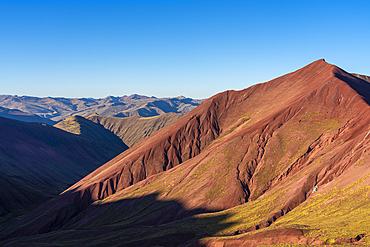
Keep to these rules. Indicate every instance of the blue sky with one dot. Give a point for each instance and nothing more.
(170, 48)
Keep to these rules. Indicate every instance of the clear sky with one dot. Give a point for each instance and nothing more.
(170, 48)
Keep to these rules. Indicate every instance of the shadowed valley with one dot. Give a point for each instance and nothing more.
(39, 161)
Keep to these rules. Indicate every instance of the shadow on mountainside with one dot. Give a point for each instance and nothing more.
(361, 86)
(140, 221)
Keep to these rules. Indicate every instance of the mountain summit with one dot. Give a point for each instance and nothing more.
(274, 163)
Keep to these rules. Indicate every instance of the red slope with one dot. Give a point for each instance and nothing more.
(187, 137)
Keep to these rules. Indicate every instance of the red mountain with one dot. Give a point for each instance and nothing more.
(269, 164)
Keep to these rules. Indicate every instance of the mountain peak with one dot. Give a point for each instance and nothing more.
(134, 96)
(71, 125)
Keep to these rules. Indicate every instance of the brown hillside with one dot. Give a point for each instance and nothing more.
(95, 133)
(133, 129)
(239, 168)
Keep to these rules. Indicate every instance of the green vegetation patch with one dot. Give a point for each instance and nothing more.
(290, 142)
(335, 214)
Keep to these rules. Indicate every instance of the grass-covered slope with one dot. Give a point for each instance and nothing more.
(103, 140)
(283, 162)
(134, 129)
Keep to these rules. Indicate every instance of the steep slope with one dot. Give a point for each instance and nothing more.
(38, 161)
(244, 168)
(133, 129)
(23, 116)
(363, 77)
(57, 109)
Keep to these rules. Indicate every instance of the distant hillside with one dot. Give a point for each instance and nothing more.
(95, 133)
(23, 116)
(133, 129)
(38, 161)
(57, 109)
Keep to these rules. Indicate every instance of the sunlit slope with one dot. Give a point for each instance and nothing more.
(133, 129)
(104, 140)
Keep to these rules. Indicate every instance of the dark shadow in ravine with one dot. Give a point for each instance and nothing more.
(140, 221)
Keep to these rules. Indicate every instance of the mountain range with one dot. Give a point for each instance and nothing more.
(281, 162)
(52, 110)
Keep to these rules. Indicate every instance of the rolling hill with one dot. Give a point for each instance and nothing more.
(38, 161)
(23, 116)
(133, 129)
(280, 162)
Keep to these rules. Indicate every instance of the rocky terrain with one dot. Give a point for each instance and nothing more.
(57, 109)
(282, 162)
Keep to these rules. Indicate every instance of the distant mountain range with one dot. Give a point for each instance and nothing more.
(57, 109)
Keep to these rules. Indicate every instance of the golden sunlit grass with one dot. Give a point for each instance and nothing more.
(145, 118)
(70, 125)
(337, 214)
